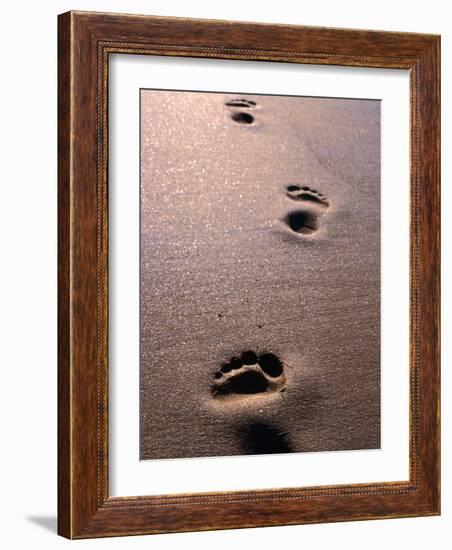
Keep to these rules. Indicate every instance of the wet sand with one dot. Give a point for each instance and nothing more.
(260, 274)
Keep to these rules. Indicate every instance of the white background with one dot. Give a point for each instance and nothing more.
(128, 476)
(28, 274)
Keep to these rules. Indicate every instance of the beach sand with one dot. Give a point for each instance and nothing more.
(260, 274)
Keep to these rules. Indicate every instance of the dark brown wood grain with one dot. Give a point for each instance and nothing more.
(85, 42)
(64, 413)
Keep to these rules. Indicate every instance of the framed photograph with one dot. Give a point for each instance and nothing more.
(248, 275)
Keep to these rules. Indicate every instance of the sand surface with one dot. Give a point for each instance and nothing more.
(260, 233)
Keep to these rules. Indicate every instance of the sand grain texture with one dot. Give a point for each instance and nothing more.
(234, 259)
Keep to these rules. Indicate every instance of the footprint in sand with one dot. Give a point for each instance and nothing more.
(306, 219)
(254, 374)
(241, 103)
(249, 374)
(239, 115)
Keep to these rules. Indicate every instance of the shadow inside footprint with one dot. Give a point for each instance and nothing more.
(303, 221)
(242, 118)
(270, 364)
(261, 438)
(249, 374)
(250, 381)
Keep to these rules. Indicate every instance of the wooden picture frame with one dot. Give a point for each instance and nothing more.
(85, 42)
